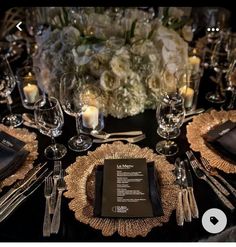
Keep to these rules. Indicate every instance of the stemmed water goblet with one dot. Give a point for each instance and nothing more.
(72, 104)
(7, 84)
(50, 120)
(231, 84)
(220, 64)
(170, 111)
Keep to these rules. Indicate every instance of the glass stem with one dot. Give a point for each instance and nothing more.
(218, 83)
(77, 121)
(9, 102)
(53, 140)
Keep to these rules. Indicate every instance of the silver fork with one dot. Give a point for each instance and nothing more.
(129, 139)
(56, 176)
(57, 213)
(48, 185)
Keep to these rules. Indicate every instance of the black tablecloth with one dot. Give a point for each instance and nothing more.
(26, 223)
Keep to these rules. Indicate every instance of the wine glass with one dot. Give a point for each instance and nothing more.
(72, 104)
(50, 120)
(170, 111)
(7, 84)
(220, 64)
(231, 83)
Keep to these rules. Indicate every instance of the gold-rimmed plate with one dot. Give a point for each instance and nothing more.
(31, 145)
(80, 184)
(200, 125)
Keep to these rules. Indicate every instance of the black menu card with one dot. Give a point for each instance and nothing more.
(125, 190)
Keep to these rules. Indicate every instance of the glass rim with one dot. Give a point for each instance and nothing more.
(18, 72)
(37, 106)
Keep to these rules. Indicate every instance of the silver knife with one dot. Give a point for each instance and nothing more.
(179, 208)
(19, 192)
(192, 200)
(33, 187)
(17, 186)
(186, 204)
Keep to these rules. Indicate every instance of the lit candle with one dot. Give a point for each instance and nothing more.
(90, 117)
(188, 94)
(195, 63)
(31, 93)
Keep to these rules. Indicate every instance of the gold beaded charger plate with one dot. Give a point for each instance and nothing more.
(80, 181)
(31, 145)
(200, 125)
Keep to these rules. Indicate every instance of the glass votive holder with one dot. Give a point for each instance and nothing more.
(92, 118)
(191, 89)
(29, 89)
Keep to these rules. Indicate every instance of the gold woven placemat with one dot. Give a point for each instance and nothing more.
(200, 125)
(80, 188)
(31, 145)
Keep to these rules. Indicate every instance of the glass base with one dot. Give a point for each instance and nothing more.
(215, 98)
(80, 143)
(12, 120)
(172, 135)
(168, 148)
(55, 151)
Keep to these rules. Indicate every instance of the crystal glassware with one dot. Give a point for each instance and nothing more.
(220, 64)
(7, 84)
(70, 98)
(50, 120)
(231, 84)
(170, 111)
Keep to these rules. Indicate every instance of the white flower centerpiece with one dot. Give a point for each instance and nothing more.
(122, 49)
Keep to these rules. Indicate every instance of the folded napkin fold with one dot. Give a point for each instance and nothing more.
(154, 191)
(12, 154)
(222, 138)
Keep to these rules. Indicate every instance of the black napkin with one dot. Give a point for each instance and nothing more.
(222, 138)
(154, 190)
(12, 154)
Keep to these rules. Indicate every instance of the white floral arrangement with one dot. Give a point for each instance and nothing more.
(122, 49)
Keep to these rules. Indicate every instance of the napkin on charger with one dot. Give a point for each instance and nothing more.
(222, 138)
(12, 154)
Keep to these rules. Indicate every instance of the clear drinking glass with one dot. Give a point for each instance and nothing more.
(170, 111)
(231, 83)
(50, 120)
(170, 116)
(220, 64)
(70, 98)
(7, 84)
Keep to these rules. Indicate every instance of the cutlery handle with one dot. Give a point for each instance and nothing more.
(180, 210)
(53, 197)
(109, 140)
(6, 196)
(57, 215)
(128, 133)
(9, 202)
(218, 185)
(11, 207)
(223, 199)
(229, 186)
(193, 203)
(186, 206)
(47, 220)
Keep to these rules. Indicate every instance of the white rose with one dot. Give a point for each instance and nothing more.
(120, 66)
(109, 81)
(187, 33)
(175, 12)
